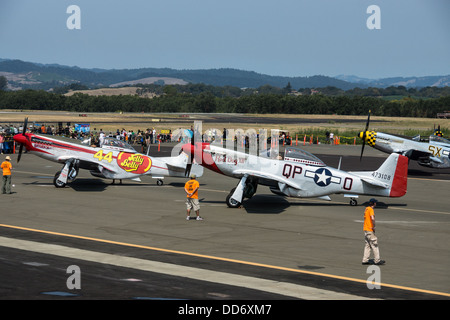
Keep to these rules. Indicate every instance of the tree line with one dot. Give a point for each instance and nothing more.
(171, 100)
(232, 91)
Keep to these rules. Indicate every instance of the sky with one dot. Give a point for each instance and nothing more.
(282, 37)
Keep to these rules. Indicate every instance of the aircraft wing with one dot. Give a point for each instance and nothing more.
(414, 154)
(267, 176)
(89, 164)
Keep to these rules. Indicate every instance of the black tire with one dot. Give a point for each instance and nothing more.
(56, 183)
(230, 202)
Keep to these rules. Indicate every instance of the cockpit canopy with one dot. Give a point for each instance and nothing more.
(302, 156)
(439, 139)
(294, 155)
(116, 144)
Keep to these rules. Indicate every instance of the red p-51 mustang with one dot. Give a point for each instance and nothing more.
(114, 159)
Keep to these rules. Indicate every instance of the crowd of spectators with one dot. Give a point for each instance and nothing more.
(143, 138)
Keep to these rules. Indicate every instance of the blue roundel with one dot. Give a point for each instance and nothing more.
(322, 177)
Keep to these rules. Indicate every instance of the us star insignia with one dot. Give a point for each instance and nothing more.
(322, 177)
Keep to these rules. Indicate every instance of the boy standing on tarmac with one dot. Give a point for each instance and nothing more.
(191, 187)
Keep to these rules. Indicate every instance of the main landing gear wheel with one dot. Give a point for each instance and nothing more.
(353, 202)
(58, 183)
(159, 182)
(231, 203)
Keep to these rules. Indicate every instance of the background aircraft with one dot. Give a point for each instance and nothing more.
(434, 154)
(115, 159)
(299, 174)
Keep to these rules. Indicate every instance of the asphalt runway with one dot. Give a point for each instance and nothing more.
(132, 241)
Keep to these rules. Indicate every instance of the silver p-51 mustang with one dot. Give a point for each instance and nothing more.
(433, 154)
(299, 174)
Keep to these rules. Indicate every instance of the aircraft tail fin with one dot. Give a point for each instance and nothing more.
(394, 171)
(400, 182)
(177, 165)
(391, 175)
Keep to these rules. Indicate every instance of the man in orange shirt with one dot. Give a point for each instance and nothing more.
(191, 187)
(370, 239)
(6, 179)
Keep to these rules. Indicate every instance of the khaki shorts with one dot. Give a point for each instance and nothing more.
(192, 204)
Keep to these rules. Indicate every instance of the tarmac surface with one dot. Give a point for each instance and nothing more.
(132, 241)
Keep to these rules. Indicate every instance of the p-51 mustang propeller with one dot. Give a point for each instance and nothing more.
(114, 159)
(433, 154)
(300, 174)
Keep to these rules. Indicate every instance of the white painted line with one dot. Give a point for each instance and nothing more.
(277, 287)
(411, 223)
(35, 264)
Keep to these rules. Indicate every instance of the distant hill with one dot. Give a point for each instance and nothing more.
(23, 75)
(409, 82)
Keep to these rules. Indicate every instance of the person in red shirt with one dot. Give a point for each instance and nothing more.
(191, 187)
(370, 239)
(2, 139)
(6, 179)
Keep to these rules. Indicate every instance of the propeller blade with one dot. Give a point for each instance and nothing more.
(20, 153)
(187, 172)
(362, 150)
(25, 124)
(364, 135)
(24, 130)
(367, 122)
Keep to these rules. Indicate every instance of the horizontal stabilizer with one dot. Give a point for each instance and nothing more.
(375, 183)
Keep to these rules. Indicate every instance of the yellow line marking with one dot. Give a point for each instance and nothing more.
(227, 260)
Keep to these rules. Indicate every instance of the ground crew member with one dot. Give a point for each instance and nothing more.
(6, 179)
(191, 187)
(370, 240)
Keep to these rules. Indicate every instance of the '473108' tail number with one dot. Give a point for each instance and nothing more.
(383, 176)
